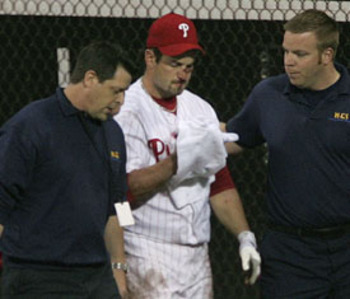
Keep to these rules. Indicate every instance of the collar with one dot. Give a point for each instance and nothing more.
(168, 104)
(342, 85)
(66, 106)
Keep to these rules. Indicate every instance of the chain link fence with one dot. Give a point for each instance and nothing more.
(40, 39)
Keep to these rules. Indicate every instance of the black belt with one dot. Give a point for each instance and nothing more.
(323, 232)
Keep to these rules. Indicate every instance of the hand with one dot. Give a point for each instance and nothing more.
(250, 264)
(125, 295)
(120, 278)
(229, 137)
(250, 257)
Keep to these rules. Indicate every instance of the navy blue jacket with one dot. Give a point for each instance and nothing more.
(308, 138)
(59, 179)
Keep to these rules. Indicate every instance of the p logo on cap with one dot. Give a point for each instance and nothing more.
(185, 28)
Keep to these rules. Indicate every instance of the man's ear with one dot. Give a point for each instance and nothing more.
(328, 56)
(150, 58)
(90, 78)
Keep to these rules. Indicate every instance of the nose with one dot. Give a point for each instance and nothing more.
(122, 98)
(119, 99)
(117, 102)
(288, 59)
(184, 73)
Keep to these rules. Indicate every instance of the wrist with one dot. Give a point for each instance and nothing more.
(120, 266)
(247, 238)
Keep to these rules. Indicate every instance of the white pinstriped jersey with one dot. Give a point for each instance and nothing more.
(149, 134)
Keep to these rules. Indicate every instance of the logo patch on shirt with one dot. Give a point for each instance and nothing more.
(340, 116)
(115, 155)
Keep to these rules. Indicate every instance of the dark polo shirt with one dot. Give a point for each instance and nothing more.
(308, 138)
(60, 173)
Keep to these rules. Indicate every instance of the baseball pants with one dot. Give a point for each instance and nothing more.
(167, 271)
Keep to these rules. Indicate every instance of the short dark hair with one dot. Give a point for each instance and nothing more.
(312, 20)
(103, 58)
(194, 53)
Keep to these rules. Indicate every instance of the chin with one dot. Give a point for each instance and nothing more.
(178, 92)
(295, 83)
(101, 117)
(115, 112)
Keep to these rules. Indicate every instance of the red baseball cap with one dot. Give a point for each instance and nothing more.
(173, 35)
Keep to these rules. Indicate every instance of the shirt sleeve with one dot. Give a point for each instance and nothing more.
(223, 181)
(247, 123)
(17, 156)
(118, 186)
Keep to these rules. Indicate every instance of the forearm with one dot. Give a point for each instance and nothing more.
(231, 147)
(148, 180)
(227, 206)
(114, 239)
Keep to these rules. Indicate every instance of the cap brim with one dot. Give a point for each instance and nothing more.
(178, 49)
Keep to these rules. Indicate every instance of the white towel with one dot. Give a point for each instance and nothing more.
(200, 155)
(200, 149)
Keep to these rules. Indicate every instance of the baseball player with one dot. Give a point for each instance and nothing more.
(175, 172)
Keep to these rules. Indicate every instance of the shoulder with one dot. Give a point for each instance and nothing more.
(341, 68)
(135, 93)
(137, 106)
(190, 96)
(190, 99)
(32, 114)
(114, 132)
(345, 77)
(115, 136)
(272, 84)
(135, 98)
(270, 89)
(29, 125)
(113, 127)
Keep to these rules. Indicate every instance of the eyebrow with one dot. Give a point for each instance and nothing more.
(177, 61)
(295, 51)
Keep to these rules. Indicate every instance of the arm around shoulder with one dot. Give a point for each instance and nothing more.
(231, 147)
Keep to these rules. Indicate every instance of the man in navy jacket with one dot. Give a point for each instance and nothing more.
(62, 169)
(303, 117)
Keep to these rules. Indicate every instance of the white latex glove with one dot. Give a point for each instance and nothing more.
(250, 257)
(229, 137)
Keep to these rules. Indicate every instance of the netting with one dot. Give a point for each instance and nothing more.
(40, 39)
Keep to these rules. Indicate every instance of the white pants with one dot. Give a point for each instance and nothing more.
(167, 271)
